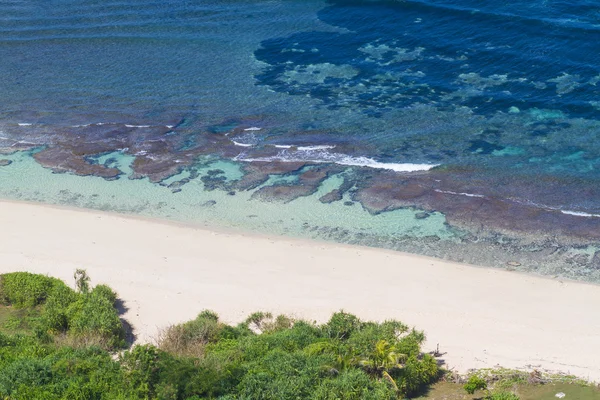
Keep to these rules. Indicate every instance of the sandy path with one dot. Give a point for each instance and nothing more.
(167, 273)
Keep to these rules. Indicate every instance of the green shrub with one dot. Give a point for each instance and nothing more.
(354, 385)
(417, 374)
(141, 369)
(23, 289)
(94, 316)
(106, 293)
(341, 325)
(190, 338)
(55, 313)
(23, 373)
(63, 353)
(474, 384)
(282, 375)
(208, 315)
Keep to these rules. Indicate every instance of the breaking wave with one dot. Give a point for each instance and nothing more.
(319, 154)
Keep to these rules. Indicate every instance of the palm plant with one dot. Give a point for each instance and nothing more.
(383, 359)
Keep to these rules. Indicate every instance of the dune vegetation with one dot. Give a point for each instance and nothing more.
(60, 343)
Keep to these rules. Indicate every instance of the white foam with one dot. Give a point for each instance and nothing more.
(305, 148)
(318, 147)
(550, 208)
(137, 126)
(241, 144)
(459, 193)
(398, 167)
(170, 126)
(321, 156)
(580, 214)
(24, 124)
(253, 128)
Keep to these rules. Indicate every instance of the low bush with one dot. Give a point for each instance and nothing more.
(93, 317)
(190, 338)
(354, 385)
(23, 289)
(474, 384)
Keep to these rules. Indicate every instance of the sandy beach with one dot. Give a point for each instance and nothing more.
(166, 273)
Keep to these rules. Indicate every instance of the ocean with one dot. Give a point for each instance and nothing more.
(460, 129)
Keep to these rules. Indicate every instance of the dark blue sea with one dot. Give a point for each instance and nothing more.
(462, 129)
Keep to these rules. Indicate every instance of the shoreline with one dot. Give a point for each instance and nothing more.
(230, 230)
(167, 272)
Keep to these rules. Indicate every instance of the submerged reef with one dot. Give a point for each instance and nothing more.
(492, 215)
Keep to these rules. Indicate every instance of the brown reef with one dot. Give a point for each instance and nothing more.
(474, 201)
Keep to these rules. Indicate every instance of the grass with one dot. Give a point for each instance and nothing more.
(573, 391)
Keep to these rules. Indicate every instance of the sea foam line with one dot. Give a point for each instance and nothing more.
(580, 214)
(550, 208)
(459, 193)
(305, 148)
(241, 144)
(117, 123)
(321, 156)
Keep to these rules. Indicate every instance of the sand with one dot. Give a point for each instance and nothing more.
(167, 273)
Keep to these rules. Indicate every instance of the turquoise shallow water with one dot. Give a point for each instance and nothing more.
(305, 216)
(459, 129)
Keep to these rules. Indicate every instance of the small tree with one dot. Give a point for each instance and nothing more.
(82, 281)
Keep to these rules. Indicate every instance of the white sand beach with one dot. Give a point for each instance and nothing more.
(166, 273)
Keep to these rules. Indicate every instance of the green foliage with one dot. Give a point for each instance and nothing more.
(23, 289)
(24, 373)
(190, 338)
(417, 374)
(56, 316)
(382, 358)
(474, 384)
(502, 396)
(141, 370)
(64, 354)
(282, 375)
(93, 316)
(341, 325)
(354, 385)
(80, 318)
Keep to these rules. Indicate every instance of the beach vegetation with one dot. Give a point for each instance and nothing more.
(474, 384)
(562, 385)
(77, 318)
(503, 396)
(60, 343)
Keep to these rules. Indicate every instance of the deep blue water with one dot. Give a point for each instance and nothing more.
(508, 90)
